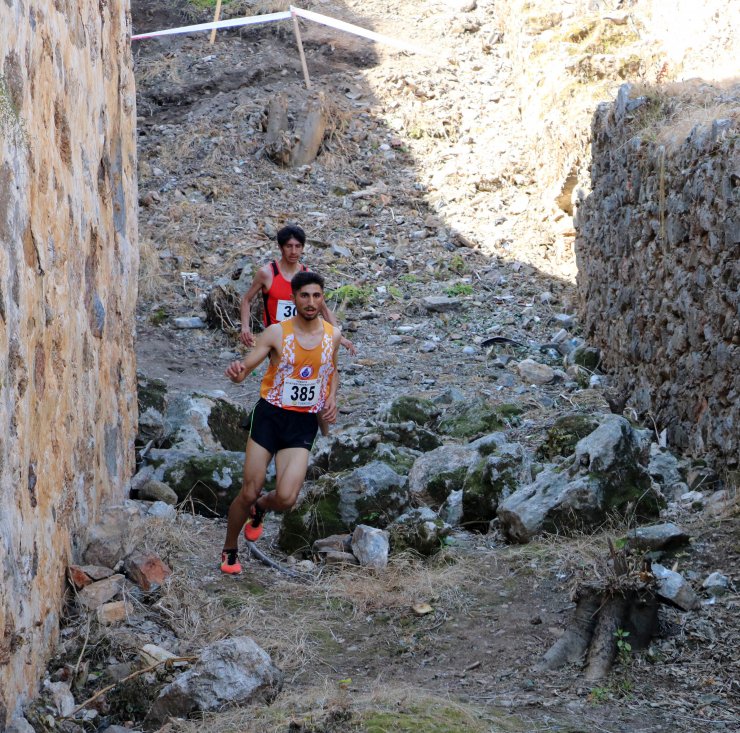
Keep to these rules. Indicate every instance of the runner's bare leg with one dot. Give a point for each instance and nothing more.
(256, 461)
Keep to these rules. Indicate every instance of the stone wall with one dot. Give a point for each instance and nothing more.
(68, 266)
(658, 250)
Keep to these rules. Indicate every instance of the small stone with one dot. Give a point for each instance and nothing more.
(161, 510)
(339, 251)
(716, 584)
(692, 497)
(305, 566)
(546, 297)
(533, 372)
(96, 594)
(78, 577)
(62, 696)
(441, 303)
(370, 546)
(336, 543)
(157, 491)
(146, 570)
(720, 503)
(427, 347)
(598, 381)
(563, 320)
(151, 654)
(666, 536)
(113, 612)
(189, 322)
(673, 587)
(333, 557)
(469, 350)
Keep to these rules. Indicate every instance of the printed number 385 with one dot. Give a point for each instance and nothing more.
(302, 394)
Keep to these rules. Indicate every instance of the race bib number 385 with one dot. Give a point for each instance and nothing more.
(300, 392)
(285, 309)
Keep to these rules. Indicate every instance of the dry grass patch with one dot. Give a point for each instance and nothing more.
(336, 708)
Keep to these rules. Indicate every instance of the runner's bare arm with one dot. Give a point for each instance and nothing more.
(328, 315)
(260, 282)
(329, 414)
(265, 343)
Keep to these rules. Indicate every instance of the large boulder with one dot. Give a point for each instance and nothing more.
(152, 404)
(373, 494)
(564, 434)
(209, 480)
(233, 671)
(607, 474)
(396, 445)
(205, 422)
(437, 473)
(490, 479)
(420, 529)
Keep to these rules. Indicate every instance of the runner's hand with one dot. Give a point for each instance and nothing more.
(236, 371)
(246, 337)
(348, 345)
(329, 413)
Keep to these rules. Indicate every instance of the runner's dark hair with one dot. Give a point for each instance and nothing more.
(300, 279)
(290, 231)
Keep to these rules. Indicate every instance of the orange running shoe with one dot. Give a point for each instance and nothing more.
(253, 527)
(230, 562)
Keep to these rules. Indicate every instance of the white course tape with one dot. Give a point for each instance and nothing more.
(233, 23)
(354, 29)
(285, 15)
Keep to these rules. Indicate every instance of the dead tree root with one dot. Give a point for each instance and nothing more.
(618, 612)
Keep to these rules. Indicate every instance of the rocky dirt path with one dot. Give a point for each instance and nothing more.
(422, 160)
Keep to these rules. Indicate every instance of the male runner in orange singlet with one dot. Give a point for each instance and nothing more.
(273, 281)
(297, 396)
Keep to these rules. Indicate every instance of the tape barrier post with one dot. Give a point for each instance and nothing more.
(216, 16)
(297, 30)
(355, 30)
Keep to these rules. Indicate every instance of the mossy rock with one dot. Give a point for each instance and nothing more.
(470, 419)
(315, 516)
(226, 421)
(374, 494)
(417, 409)
(421, 530)
(151, 394)
(208, 481)
(588, 357)
(488, 481)
(565, 433)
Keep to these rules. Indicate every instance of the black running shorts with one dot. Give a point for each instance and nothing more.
(275, 428)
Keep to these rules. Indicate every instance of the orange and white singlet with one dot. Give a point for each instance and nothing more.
(279, 305)
(302, 379)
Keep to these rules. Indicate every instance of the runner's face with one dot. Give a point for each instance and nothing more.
(292, 251)
(308, 301)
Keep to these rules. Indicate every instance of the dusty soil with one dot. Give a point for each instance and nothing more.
(432, 140)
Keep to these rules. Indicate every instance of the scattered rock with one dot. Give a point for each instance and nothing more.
(439, 472)
(336, 557)
(532, 372)
(653, 537)
(189, 322)
(370, 546)
(565, 433)
(114, 612)
(146, 570)
(452, 509)
(335, 543)
(674, 588)
(157, 491)
(420, 530)
(100, 592)
(233, 671)
(441, 303)
(62, 697)
(716, 584)
(373, 493)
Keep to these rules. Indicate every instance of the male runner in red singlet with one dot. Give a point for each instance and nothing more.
(297, 395)
(273, 281)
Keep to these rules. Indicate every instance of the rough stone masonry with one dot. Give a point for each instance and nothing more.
(68, 267)
(658, 250)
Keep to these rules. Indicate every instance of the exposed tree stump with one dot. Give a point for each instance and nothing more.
(625, 600)
(299, 145)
